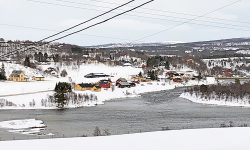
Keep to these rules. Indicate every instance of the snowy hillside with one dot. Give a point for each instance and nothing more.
(230, 63)
(28, 71)
(114, 45)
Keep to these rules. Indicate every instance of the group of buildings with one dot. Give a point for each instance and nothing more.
(19, 76)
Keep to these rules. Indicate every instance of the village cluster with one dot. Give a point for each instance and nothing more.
(106, 81)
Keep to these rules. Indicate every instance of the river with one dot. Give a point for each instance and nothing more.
(150, 112)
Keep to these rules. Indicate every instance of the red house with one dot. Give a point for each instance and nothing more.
(104, 83)
(228, 72)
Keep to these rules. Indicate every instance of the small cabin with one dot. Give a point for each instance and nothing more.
(18, 76)
(87, 87)
(38, 78)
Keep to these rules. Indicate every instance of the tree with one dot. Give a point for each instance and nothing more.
(2, 73)
(56, 58)
(27, 62)
(60, 99)
(140, 74)
(45, 57)
(40, 56)
(203, 88)
(167, 65)
(97, 132)
(64, 73)
(237, 81)
(106, 132)
(18, 57)
(61, 89)
(152, 75)
(36, 57)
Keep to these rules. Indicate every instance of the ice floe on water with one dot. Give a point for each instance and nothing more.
(25, 126)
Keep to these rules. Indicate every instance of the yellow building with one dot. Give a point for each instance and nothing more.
(18, 76)
(38, 78)
(139, 79)
(86, 87)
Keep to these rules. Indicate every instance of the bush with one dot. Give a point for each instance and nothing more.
(97, 132)
(203, 88)
(64, 73)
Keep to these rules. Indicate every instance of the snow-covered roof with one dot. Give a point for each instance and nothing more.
(127, 64)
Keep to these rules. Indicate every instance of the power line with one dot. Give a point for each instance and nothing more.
(52, 30)
(157, 10)
(210, 12)
(101, 22)
(151, 18)
(134, 15)
(88, 20)
(78, 24)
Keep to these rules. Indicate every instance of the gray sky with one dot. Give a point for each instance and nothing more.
(17, 16)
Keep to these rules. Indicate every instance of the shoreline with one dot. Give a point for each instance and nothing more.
(193, 98)
(23, 102)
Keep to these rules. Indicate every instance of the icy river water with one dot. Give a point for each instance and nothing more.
(150, 112)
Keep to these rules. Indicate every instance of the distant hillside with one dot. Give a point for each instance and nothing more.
(215, 48)
(130, 45)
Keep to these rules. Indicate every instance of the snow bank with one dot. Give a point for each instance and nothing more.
(195, 139)
(27, 126)
(22, 124)
(220, 102)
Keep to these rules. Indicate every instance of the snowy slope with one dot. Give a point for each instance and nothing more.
(196, 139)
(217, 101)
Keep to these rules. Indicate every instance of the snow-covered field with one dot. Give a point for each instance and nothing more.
(221, 102)
(195, 139)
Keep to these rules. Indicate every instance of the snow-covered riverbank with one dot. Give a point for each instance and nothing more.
(41, 100)
(245, 102)
(195, 139)
(39, 95)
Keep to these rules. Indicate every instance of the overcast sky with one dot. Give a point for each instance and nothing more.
(29, 20)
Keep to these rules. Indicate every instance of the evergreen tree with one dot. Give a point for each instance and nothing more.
(152, 75)
(27, 62)
(2, 73)
(140, 74)
(45, 57)
(167, 65)
(56, 58)
(36, 56)
(61, 89)
(40, 56)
